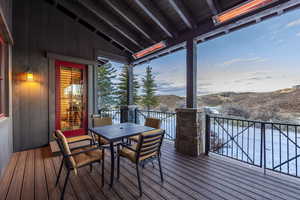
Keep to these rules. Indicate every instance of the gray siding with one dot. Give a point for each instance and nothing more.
(6, 6)
(38, 27)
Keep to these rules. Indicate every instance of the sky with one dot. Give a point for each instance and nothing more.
(260, 58)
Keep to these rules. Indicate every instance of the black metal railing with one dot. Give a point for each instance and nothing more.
(168, 121)
(114, 114)
(273, 146)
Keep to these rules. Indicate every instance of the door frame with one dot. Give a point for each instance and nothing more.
(84, 68)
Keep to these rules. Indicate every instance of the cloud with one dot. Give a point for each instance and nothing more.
(293, 23)
(253, 79)
(170, 88)
(242, 60)
(298, 34)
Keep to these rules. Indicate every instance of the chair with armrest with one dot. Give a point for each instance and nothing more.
(146, 150)
(77, 157)
(101, 121)
(151, 122)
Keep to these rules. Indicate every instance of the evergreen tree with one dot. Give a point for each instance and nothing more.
(149, 100)
(105, 75)
(121, 93)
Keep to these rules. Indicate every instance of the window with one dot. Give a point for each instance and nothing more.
(3, 79)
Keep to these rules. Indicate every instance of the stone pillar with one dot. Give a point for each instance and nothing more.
(128, 113)
(189, 133)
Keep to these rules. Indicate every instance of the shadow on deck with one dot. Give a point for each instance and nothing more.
(31, 175)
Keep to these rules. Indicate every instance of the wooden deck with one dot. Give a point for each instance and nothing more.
(31, 175)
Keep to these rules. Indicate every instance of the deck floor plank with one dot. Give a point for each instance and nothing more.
(268, 191)
(28, 182)
(69, 194)
(8, 176)
(32, 175)
(15, 188)
(54, 192)
(234, 178)
(40, 186)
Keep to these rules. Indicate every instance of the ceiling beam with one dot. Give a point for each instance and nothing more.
(112, 21)
(101, 27)
(213, 6)
(136, 22)
(150, 9)
(207, 29)
(181, 10)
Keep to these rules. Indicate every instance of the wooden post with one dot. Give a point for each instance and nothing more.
(130, 85)
(191, 73)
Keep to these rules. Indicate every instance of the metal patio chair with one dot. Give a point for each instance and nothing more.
(146, 150)
(77, 157)
(101, 121)
(151, 122)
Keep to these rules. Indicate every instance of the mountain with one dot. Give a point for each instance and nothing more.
(281, 105)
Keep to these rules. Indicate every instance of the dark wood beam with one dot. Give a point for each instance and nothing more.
(123, 10)
(111, 56)
(213, 6)
(101, 27)
(130, 85)
(181, 10)
(207, 29)
(191, 73)
(150, 9)
(112, 21)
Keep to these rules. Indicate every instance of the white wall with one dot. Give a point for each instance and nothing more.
(6, 139)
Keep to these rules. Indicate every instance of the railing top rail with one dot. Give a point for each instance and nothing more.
(248, 120)
(153, 111)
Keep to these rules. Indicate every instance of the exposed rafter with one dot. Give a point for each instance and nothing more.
(150, 9)
(137, 23)
(181, 10)
(213, 6)
(207, 29)
(112, 21)
(103, 28)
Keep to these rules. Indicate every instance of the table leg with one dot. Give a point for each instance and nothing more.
(112, 169)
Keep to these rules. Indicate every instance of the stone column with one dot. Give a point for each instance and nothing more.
(189, 133)
(128, 113)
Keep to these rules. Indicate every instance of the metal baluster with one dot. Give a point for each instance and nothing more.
(232, 139)
(296, 150)
(287, 146)
(207, 134)
(222, 137)
(254, 133)
(215, 135)
(279, 147)
(237, 138)
(242, 134)
(272, 129)
(227, 136)
(248, 141)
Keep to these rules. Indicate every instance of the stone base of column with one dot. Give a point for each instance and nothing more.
(189, 134)
(128, 113)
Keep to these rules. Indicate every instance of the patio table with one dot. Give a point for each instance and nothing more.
(118, 132)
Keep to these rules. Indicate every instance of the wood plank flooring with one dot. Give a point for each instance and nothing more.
(31, 175)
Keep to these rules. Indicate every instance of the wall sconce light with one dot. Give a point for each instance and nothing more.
(29, 75)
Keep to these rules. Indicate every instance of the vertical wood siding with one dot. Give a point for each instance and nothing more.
(39, 27)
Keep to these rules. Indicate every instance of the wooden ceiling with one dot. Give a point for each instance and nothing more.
(132, 25)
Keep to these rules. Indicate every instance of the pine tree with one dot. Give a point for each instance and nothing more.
(121, 93)
(105, 75)
(149, 100)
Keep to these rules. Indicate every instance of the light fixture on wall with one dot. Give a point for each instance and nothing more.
(29, 75)
(240, 10)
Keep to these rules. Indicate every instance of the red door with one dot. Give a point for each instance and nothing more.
(71, 98)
